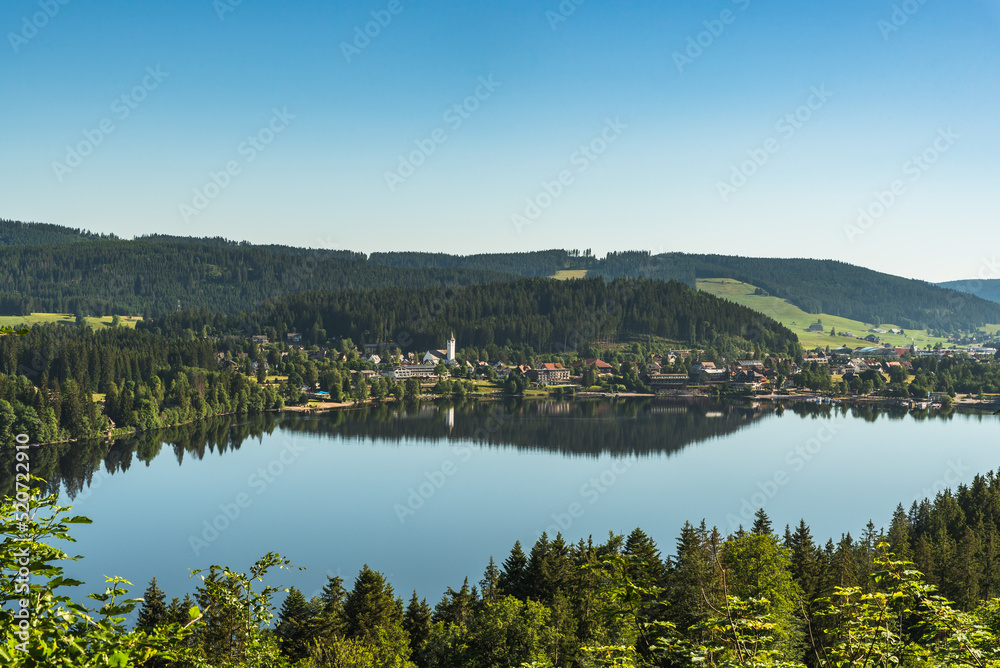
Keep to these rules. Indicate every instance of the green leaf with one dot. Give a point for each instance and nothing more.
(194, 612)
(118, 659)
(79, 519)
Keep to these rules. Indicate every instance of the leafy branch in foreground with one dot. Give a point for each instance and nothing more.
(44, 626)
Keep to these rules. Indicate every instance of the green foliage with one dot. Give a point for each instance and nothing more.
(43, 625)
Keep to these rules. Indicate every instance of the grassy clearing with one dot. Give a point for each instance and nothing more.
(798, 321)
(17, 321)
(566, 274)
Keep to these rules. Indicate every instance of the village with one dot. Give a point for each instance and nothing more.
(870, 371)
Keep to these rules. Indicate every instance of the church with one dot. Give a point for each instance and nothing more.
(447, 356)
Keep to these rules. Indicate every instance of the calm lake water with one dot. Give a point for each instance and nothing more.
(426, 493)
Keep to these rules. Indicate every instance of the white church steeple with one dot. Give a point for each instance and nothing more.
(451, 348)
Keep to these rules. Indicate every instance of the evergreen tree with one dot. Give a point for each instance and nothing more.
(293, 628)
(371, 605)
(761, 523)
(513, 578)
(417, 622)
(153, 612)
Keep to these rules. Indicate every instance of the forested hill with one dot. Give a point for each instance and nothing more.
(152, 277)
(538, 263)
(59, 269)
(14, 233)
(547, 315)
(986, 289)
(820, 286)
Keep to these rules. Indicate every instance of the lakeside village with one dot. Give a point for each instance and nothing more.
(906, 376)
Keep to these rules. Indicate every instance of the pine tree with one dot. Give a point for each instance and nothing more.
(489, 586)
(648, 565)
(371, 605)
(806, 564)
(899, 535)
(761, 523)
(417, 622)
(153, 612)
(293, 628)
(513, 579)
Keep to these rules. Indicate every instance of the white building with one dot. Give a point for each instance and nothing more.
(447, 356)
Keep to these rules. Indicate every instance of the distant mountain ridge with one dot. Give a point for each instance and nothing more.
(52, 268)
(985, 289)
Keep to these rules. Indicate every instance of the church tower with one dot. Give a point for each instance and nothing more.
(451, 348)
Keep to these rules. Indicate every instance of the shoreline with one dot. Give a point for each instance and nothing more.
(811, 397)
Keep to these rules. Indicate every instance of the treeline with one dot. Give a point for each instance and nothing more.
(152, 278)
(537, 263)
(151, 275)
(948, 375)
(49, 375)
(16, 233)
(752, 598)
(549, 316)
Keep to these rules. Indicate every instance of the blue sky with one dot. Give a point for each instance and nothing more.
(859, 131)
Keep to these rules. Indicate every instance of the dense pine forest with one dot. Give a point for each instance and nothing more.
(551, 316)
(152, 278)
(47, 268)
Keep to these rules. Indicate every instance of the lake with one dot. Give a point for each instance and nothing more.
(427, 492)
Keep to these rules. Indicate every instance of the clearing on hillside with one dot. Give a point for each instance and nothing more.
(798, 321)
(16, 321)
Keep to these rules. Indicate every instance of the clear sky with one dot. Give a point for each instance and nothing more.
(728, 126)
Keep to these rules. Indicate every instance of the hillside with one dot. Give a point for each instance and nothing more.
(820, 286)
(797, 320)
(15, 233)
(547, 315)
(150, 278)
(47, 268)
(986, 289)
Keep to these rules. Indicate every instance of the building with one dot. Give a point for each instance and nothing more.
(747, 380)
(293, 337)
(412, 371)
(706, 372)
(548, 373)
(602, 367)
(259, 338)
(447, 355)
(658, 380)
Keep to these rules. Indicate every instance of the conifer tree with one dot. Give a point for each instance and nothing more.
(153, 612)
(514, 576)
(293, 628)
